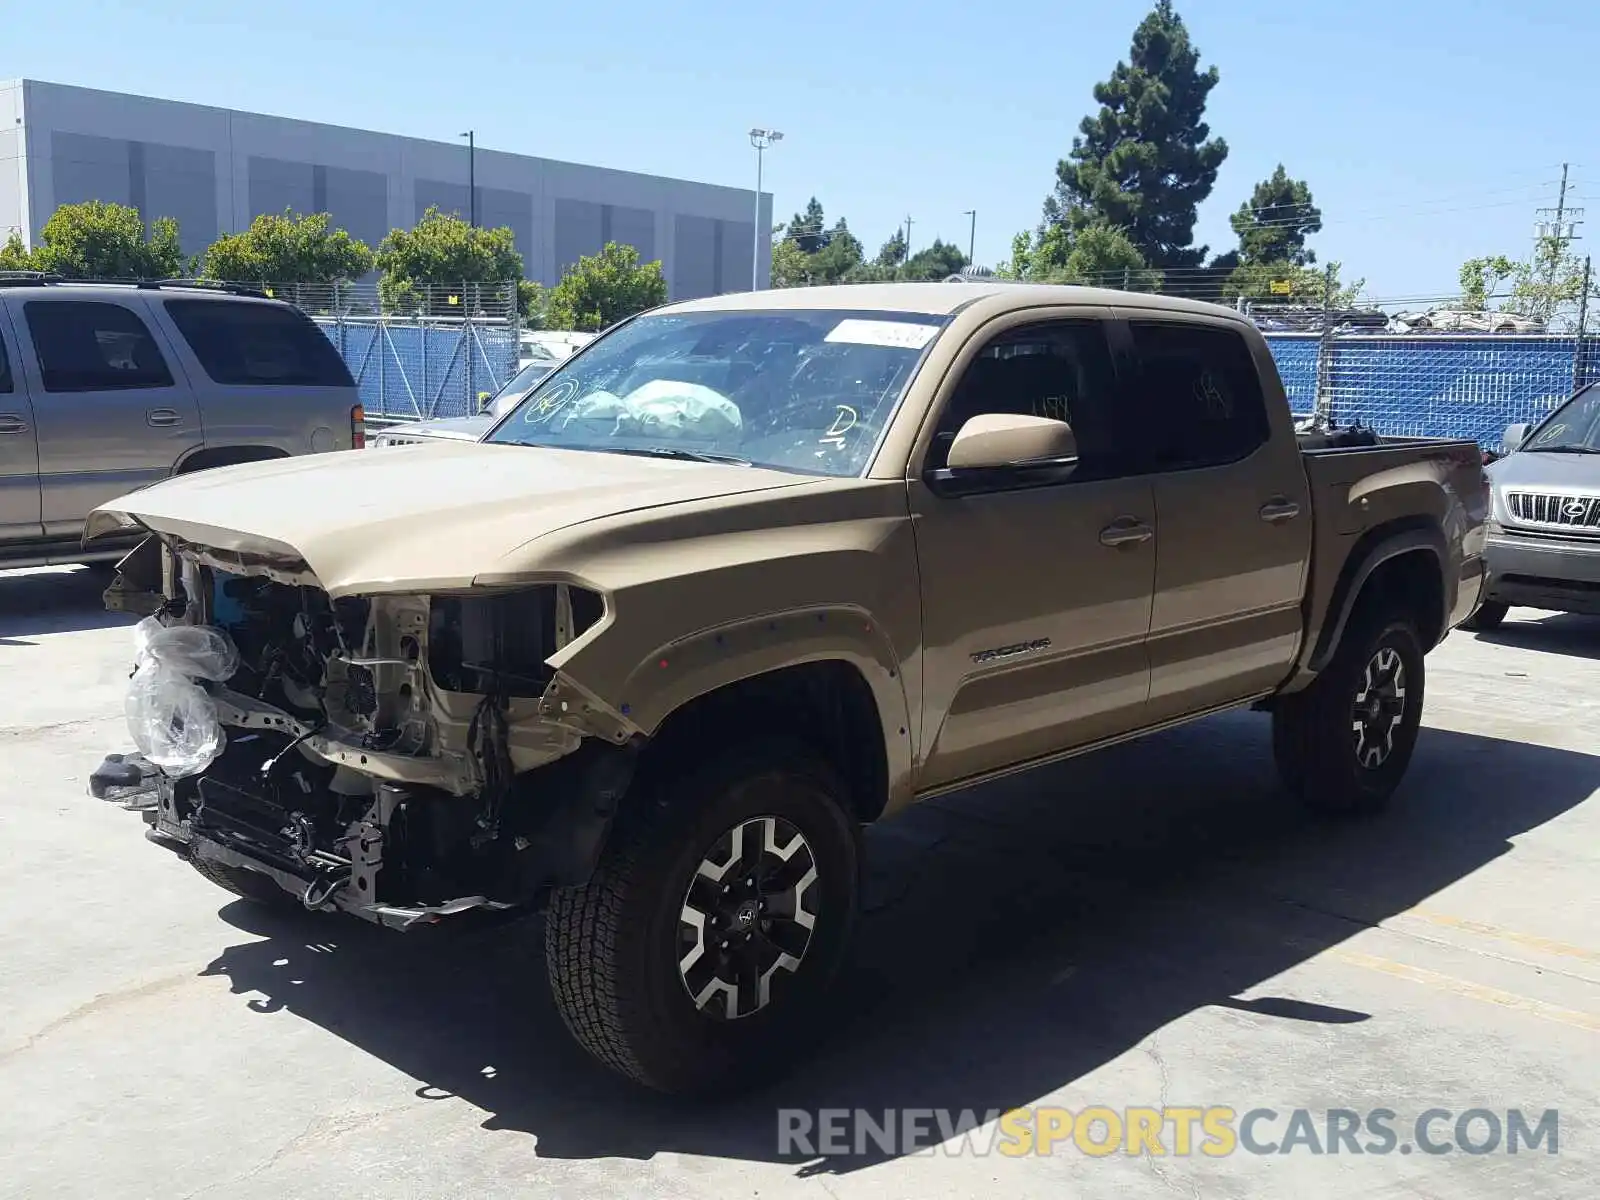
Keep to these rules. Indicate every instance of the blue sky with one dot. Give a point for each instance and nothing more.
(1428, 133)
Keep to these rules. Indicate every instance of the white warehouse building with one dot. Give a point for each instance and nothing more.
(214, 169)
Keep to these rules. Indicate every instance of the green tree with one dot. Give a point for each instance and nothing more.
(1307, 286)
(934, 262)
(96, 240)
(1096, 255)
(1146, 160)
(893, 252)
(287, 248)
(841, 253)
(602, 289)
(1548, 286)
(1274, 223)
(1480, 277)
(14, 256)
(532, 302)
(444, 251)
(808, 230)
(790, 264)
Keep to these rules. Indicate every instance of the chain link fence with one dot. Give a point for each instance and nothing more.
(417, 351)
(1432, 385)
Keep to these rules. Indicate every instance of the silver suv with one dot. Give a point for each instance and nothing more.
(105, 388)
(1543, 545)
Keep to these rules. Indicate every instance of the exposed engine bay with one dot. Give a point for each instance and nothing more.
(400, 757)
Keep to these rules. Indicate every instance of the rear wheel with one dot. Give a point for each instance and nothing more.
(1488, 615)
(1345, 742)
(697, 958)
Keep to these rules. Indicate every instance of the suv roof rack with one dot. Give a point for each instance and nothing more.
(28, 278)
(207, 285)
(45, 278)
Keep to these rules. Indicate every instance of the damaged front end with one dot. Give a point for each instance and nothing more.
(399, 757)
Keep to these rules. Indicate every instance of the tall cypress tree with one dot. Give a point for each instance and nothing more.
(1146, 160)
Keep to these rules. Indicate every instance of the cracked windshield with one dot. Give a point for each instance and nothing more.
(797, 390)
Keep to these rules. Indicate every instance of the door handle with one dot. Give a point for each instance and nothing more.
(161, 416)
(11, 423)
(1278, 510)
(1126, 531)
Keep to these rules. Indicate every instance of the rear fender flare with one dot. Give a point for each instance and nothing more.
(1378, 547)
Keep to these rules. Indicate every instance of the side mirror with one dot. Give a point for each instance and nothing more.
(1007, 440)
(1513, 437)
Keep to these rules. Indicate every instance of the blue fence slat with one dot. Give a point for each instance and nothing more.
(1434, 385)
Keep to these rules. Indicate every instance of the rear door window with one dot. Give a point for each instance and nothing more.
(261, 345)
(1201, 394)
(93, 346)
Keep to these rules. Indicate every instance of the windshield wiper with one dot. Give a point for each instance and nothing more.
(680, 453)
(1567, 448)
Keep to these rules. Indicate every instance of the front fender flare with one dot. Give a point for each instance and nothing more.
(690, 667)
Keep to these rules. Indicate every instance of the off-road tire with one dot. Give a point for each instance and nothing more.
(247, 885)
(612, 946)
(1313, 738)
(1487, 615)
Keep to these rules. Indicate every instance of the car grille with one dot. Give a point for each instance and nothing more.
(1555, 509)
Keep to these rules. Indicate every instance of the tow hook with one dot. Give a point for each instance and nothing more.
(319, 891)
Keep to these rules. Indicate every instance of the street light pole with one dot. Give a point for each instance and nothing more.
(972, 236)
(761, 139)
(472, 179)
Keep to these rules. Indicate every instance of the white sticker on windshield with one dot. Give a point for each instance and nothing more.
(900, 334)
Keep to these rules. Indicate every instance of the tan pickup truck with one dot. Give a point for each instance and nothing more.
(745, 575)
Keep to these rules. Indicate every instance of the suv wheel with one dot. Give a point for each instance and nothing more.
(1487, 615)
(1344, 743)
(698, 956)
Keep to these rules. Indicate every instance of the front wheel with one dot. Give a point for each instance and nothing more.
(247, 885)
(1344, 743)
(698, 956)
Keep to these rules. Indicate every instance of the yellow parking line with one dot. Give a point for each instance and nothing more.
(1474, 991)
(1530, 940)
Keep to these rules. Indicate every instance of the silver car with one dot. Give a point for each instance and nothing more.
(470, 429)
(1543, 541)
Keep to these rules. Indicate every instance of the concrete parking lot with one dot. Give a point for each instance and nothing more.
(1154, 925)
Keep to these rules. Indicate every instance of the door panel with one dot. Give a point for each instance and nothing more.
(1036, 581)
(1234, 509)
(1034, 629)
(111, 414)
(19, 452)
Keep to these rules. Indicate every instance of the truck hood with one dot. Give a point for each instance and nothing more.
(416, 518)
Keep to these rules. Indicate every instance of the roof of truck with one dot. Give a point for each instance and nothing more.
(936, 299)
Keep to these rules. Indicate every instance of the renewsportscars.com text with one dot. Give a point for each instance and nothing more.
(1173, 1131)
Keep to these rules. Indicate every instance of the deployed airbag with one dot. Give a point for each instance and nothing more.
(662, 408)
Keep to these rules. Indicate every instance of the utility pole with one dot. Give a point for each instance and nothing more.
(972, 235)
(1554, 231)
(762, 140)
(472, 178)
(908, 236)
(1583, 319)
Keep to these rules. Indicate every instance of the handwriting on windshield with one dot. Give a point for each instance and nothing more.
(843, 422)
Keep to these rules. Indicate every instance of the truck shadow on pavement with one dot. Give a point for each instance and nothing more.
(1016, 937)
(1559, 633)
(53, 600)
